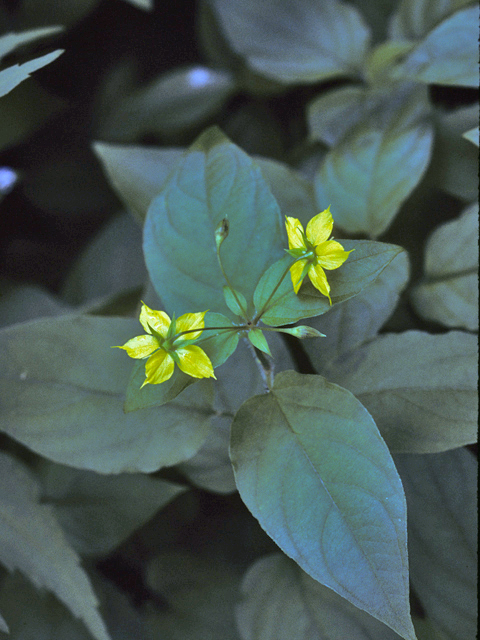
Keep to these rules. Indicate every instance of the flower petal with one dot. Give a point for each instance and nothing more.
(297, 274)
(295, 233)
(195, 362)
(320, 227)
(141, 346)
(191, 321)
(331, 254)
(157, 320)
(159, 368)
(319, 280)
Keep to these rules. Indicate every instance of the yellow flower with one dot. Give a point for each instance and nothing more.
(166, 344)
(314, 251)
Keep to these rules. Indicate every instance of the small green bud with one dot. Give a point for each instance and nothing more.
(221, 232)
(303, 331)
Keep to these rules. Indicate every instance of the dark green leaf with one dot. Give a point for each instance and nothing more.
(63, 396)
(173, 102)
(32, 541)
(231, 298)
(281, 602)
(23, 302)
(358, 320)
(98, 512)
(213, 179)
(450, 293)
(441, 493)
(447, 55)
(366, 262)
(378, 163)
(296, 42)
(12, 76)
(137, 174)
(421, 389)
(311, 465)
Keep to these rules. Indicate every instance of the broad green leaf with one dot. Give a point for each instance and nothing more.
(14, 75)
(378, 163)
(23, 302)
(414, 19)
(201, 595)
(381, 60)
(294, 42)
(311, 465)
(214, 178)
(366, 262)
(63, 397)
(441, 493)
(34, 613)
(32, 541)
(111, 263)
(359, 319)
(235, 301)
(280, 602)
(331, 115)
(421, 389)
(137, 173)
(293, 193)
(99, 512)
(218, 345)
(448, 55)
(472, 135)
(450, 292)
(175, 101)
(454, 167)
(11, 41)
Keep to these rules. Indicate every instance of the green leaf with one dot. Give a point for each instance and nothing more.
(366, 262)
(3, 625)
(137, 174)
(237, 381)
(175, 101)
(421, 389)
(472, 135)
(378, 163)
(311, 465)
(231, 298)
(33, 613)
(414, 19)
(441, 492)
(448, 55)
(201, 595)
(281, 601)
(454, 167)
(116, 252)
(450, 293)
(63, 398)
(293, 193)
(214, 178)
(23, 302)
(99, 512)
(256, 337)
(295, 42)
(11, 41)
(217, 345)
(14, 75)
(358, 320)
(32, 541)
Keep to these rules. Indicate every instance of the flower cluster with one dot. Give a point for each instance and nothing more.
(313, 251)
(169, 342)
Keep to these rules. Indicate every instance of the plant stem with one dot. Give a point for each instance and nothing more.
(264, 364)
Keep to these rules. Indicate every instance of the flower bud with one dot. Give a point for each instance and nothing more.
(221, 232)
(303, 331)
